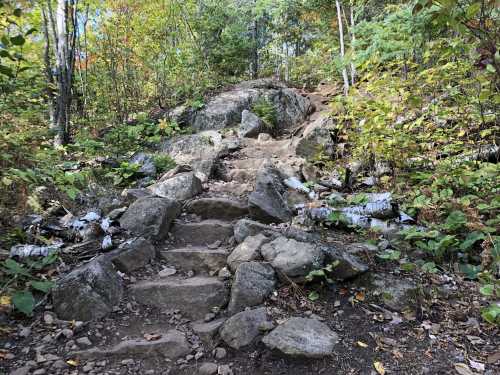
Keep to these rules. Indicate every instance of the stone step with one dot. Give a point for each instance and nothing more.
(194, 297)
(230, 188)
(198, 259)
(241, 175)
(217, 208)
(202, 233)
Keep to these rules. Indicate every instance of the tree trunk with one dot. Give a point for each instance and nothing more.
(342, 48)
(353, 40)
(255, 51)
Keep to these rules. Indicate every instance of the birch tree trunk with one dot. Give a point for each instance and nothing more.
(342, 48)
(353, 39)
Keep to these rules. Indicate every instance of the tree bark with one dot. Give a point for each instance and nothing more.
(353, 40)
(342, 48)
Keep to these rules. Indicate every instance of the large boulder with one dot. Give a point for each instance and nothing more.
(247, 251)
(89, 292)
(243, 328)
(317, 139)
(201, 151)
(267, 203)
(251, 125)
(293, 258)
(302, 337)
(245, 228)
(150, 217)
(225, 110)
(253, 282)
(133, 254)
(180, 187)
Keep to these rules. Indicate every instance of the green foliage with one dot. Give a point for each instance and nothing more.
(22, 281)
(265, 109)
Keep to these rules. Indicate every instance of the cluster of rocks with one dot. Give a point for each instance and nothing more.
(227, 261)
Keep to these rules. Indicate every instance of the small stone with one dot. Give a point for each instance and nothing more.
(224, 274)
(215, 245)
(209, 317)
(25, 370)
(220, 353)
(60, 364)
(208, 369)
(48, 318)
(128, 362)
(84, 341)
(25, 332)
(224, 370)
(198, 355)
(167, 271)
(68, 333)
(88, 367)
(40, 371)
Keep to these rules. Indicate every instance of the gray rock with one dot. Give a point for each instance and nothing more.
(208, 368)
(146, 162)
(220, 353)
(302, 337)
(133, 254)
(200, 260)
(180, 187)
(132, 195)
(87, 293)
(246, 227)
(207, 331)
(347, 266)
(295, 259)
(203, 233)
(246, 251)
(224, 370)
(243, 328)
(217, 208)
(194, 297)
(201, 151)
(253, 282)
(25, 370)
(150, 217)
(267, 203)
(395, 293)
(172, 345)
(251, 125)
(316, 139)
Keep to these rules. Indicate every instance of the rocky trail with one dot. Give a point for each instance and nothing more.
(204, 271)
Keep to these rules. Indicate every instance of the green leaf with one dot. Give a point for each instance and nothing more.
(487, 290)
(429, 267)
(455, 220)
(490, 68)
(17, 12)
(6, 71)
(24, 302)
(491, 313)
(313, 296)
(42, 286)
(471, 239)
(390, 255)
(18, 40)
(15, 268)
(470, 271)
(408, 267)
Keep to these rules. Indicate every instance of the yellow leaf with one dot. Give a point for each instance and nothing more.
(72, 362)
(379, 367)
(360, 296)
(361, 344)
(5, 301)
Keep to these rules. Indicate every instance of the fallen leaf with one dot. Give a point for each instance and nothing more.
(379, 367)
(5, 300)
(360, 296)
(361, 344)
(72, 362)
(494, 357)
(463, 369)
(152, 336)
(397, 354)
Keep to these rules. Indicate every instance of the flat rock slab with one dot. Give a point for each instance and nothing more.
(203, 233)
(217, 208)
(172, 345)
(194, 297)
(253, 282)
(180, 187)
(200, 260)
(243, 328)
(89, 292)
(295, 259)
(302, 337)
(150, 217)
